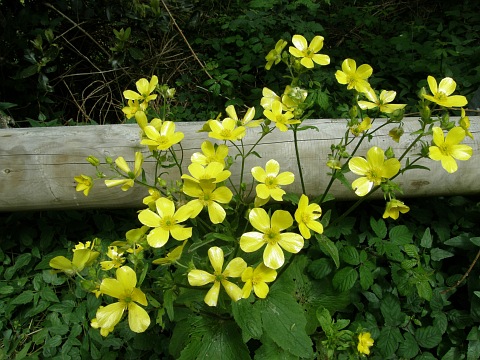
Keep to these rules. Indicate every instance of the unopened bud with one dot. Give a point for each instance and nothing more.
(389, 153)
(93, 160)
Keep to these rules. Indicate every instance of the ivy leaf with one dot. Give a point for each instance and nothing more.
(345, 279)
(428, 337)
(284, 323)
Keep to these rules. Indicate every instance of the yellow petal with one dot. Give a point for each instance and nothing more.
(259, 174)
(127, 277)
(216, 213)
(158, 237)
(358, 165)
(299, 42)
(362, 186)
(281, 220)
(259, 219)
(149, 218)
(215, 254)
(251, 241)
(180, 233)
(211, 297)
(138, 318)
(462, 152)
(233, 291)
(165, 207)
(110, 315)
(285, 178)
(139, 297)
(200, 277)
(113, 288)
(455, 136)
(291, 242)
(273, 256)
(61, 263)
(261, 290)
(235, 268)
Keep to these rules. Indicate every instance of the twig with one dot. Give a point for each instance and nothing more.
(185, 39)
(464, 275)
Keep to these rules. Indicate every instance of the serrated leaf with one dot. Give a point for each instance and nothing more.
(48, 294)
(378, 227)
(461, 241)
(409, 264)
(400, 235)
(284, 322)
(248, 318)
(345, 279)
(391, 310)
(23, 298)
(329, 248)
(440, 321)
(440, 254)
(318, 268)
(350, 255)
(428, 337)
(269, 350)
(366, 277)
(325, 320)
(389, 340)
(408, 348)
(424, 289)
(426, 240)
(411, 250)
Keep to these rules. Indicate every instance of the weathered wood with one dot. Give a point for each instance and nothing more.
(37, 165)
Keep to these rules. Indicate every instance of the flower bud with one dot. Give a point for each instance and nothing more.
(93, 160)
(109, 160)
(397, 115)
(396, 133)
(425, 113)
(389, 153)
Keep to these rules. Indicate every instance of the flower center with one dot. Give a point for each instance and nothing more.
(162, 139)
(373, 176)
(167, 223)
(271, 182)
(271, 236)
(444, 149)
(226, 133)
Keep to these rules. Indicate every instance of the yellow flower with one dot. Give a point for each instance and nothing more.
(226, 130)
(268, 98)
(84, 183)
(293, 96)
(116, 259)
(81, 259)
(247, 119)
(270, 180)
(352, 77)
(275, 55)
(257, 280)
(276, 115)
(382, 103)
(441, 93)
(357, 129)
(308, 53)
(132, 175)
(133, 107)
(165, 222)
(163, 139)
(448, 148)
(365, 341)
(210, 153)
(271, 236)
(394, 208)
(134, 237)
(145, 89)
(171, 257)
(305, 215)
(150, 199)
(375, 170)
(464, 123)
(123, 288)
(212, 173)
(219, 277)
(208, 196)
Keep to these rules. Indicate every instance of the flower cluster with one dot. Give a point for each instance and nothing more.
(236, 230)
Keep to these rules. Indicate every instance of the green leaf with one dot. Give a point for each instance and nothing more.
(408, 348)
(424, 289)
(475, 240)
(248, 318)
(440, 254)
(428, 337)
(426, 240)
(345, 279)
(378, 227)
(411, 250)
(350, 255)
(329, 248)
(318, 268)
(269, 350)
(391, 310)
(284, 322)
(366, 277)
(24, 298)
(400, 235)
(325, 320)
(48, 294)
(440, 321)
(388, 341)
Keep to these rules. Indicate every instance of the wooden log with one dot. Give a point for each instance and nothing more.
(37, 165)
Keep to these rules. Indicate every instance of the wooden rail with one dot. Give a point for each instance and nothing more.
(37, 165)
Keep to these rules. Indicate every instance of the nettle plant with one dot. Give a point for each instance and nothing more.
(244, 269)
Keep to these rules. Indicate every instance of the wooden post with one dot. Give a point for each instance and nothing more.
(37, 165)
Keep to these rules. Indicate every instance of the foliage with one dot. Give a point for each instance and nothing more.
(65, 62)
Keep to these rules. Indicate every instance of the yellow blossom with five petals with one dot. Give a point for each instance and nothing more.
(256, 280)
(394, 208)
(212, 173)
(163, 139)
(382, 102)
(219, 277)
(116, 259)
(353, 77)
(166, 222)
(277, 116)
(226, 130)
(308, 52)
(132, 175)
(270, 180)
(247, 118)
(365, 342)
(145, 89)
(374, 170)
(81, 259)
(210, 153)
(448, 148)
(305, 215)
(84, 183)
(123, 288)
(441, 93)
(270, 234)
